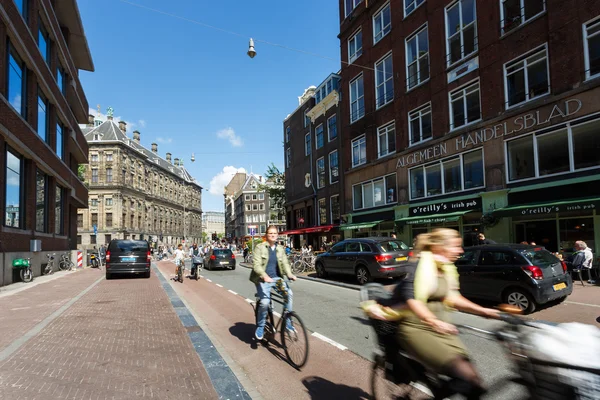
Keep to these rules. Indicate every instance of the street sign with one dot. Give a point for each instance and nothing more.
(252, 226)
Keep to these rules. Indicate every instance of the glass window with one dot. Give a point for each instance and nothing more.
(351, 5)
(288, 157)
(320, 173)
(355, 46)
(335, 209)
(591, 45)
(434, 180)
(332, 127)
(94, 175)
(109, 175)
(553, 152)
(14, 194)
(375, 193)
(108, 201)
(16, 83)
(382, 23)
(521, 159)
(419, 124)
(254, 207)
(254, 197)
(357, 99)
(60, 80)
(359, 151)
(108, 220)
(390, 188)
(464, 106)
(417, 59)
(357, 196)
(452, 180)
(306, 119)
(287, 134)
(527, 78)
(44, 42)
(22, 6)
(261, 196)
(517, 12)
(384, 82)
(473, 169)
(247, 197)
(417, 183)
(368, 195)
(378, 193)
(307, 144)
(40, 202)
(461, 30)
(319, 136)
(333, 167)
(59, 140)
(42, 123)
(411, 5)
(322, 212)
(586, 142)
(58, 211)
(386, 140)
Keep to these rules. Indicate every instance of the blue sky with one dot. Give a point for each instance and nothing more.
(191, 88)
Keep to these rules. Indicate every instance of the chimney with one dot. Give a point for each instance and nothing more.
(169, 158)
(91, 120)
(177, 162)
(123, 126)
(136, 136)
(181, 162)
(154, 148)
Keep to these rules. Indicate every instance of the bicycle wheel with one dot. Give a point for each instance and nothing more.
(381, 387)
(180, 275)
(63, 266)
(294, 341)
(26, 275)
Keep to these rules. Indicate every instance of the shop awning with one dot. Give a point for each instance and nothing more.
(314, 229)
(360, 225)
(550, 207)
(433, 219)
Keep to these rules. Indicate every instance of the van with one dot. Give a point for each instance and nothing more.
(128, 257)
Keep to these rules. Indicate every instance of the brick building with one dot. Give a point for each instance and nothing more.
(312, 164)
(44, 47)
(476, 115)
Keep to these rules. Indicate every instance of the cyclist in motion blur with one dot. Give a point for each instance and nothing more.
(420, 304)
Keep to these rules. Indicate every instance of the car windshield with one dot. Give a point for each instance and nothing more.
(129, 246)
(539, 256)
(391, 245)
(221, 252)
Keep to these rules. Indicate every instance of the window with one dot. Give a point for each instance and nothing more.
(333, 167)
(377, 192)
(16, 83)
(58, 211)
(382, 23)
(384, 82)
(263, 229)
(108, 201)
(261, 207)
(465, 106)
(321, 173)
(94, 157)
(94, 175)
(332, 127)
(334, 204)
(95, 220)
(527, 77)
(591, 46)
(247, 197)
(461, 30)
(60, 80)
(287, 134)
(42, 123)
(355, 46)
(22, 6)
(59, 140)
(319, 136)
(254, 197)
(411, 5)
(517, 12)
(248, 207)
(453, 174)
(261, 196)
(254, 207)
(44, 42)
(109, 175)
(288, 157)
(80, 220)
(417, 58)
(307, 144)
(322, 212)
(306, 119)
(13, 200)
(386, 140)
(109, 157)
(351, 5)
(40, 201)
(357, 99)
(359, 151)
(94, 202)
(108, 220)
(419, 124)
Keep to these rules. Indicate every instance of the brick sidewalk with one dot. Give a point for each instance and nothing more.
(121, 340)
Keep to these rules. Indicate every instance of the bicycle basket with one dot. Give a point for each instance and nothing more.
(20, 263)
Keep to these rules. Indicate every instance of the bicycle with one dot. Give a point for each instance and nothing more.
(49, 269)
(65, 263)
(180, 269)
(305, 263)
(196, 267)
(290, 338)
(24, 265)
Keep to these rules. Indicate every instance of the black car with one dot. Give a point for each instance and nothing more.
(520, 275)
(221, 258)
(128, 257)
(365, 258)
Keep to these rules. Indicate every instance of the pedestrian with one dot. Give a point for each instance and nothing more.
(483, 240)
(588, 259)
(393, 235)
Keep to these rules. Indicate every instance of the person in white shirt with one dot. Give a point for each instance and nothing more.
(589, 259)
(179, 257)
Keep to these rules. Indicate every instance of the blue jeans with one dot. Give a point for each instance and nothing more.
(264, 294)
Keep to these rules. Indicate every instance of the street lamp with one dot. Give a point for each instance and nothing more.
(251, 52)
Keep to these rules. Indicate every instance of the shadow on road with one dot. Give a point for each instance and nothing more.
(244, 332)
(319, 388)
(363, 321)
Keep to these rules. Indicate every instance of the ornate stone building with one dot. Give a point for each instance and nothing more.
(134, 193)
(213, 222)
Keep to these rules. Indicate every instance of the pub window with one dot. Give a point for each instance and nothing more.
(14, 190)
(321, 173)
(453, 174)
(419, 124)
(322, 212)
(40, 201)
(465, 105)
(515, 13)
(334, 204)
(375, 193)
(58, 211)
(527, 77)
(591, 46)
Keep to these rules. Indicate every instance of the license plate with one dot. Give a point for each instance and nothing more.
(400, 258)
(559, 286)
(224, 262)
(127, 259)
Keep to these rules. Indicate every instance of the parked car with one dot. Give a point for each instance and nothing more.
(365, 258)
(128, 257)
(222, 258)
(521, 275)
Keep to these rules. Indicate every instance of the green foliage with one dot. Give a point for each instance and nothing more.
(81, 170)
(276, 192)
(204, 237)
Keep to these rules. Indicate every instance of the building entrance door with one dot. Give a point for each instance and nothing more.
(542, 233)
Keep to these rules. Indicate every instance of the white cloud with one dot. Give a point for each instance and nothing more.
(229, 134)
(164, 140)
(219, 181)
(142, 123)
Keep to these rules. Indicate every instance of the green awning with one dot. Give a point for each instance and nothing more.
(433, 219)
(550, 208)
(359, 225)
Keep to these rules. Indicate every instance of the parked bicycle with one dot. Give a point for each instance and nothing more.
(49, 269)
(294, 341)
(65, 263)
(24, 265)
(304, 263)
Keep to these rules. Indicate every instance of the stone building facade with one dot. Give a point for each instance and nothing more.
(134, 193)
(213, 223)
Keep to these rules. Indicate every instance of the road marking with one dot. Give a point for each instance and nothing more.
(208, 280)
(231, 291)
(276, 313)
(326, 339)
(582, 304)
(218, 285)
(249, 301)
(201, 276)
(21, 308)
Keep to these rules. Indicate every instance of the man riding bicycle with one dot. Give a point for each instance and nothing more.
(179, 258)
(270, 266)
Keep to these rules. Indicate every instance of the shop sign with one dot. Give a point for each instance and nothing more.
(522, 122)
(551, 209)
(425, 220)
(446, 207)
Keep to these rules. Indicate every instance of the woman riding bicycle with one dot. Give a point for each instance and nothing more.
(420, 304)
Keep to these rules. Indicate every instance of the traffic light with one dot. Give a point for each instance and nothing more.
(214, 236)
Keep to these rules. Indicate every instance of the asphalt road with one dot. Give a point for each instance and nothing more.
(334, 313)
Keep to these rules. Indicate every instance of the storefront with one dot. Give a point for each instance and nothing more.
(317, 236)
(369, 224)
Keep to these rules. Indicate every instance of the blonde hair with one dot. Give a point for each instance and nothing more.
(437, 237)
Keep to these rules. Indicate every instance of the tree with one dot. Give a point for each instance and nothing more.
(275, 186)
(81, 170)
(204, 237)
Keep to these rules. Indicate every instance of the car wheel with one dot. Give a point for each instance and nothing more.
(520, 298)
(147, 275)
(108, 276)
(561, 299)
(232, 268)
(320, 270)
(362, 275)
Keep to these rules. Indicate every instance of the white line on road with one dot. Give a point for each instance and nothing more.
(249, 300)
(326, 339)
(276, 313)
(582, 304)
(20, 308)
(218, 285)
(208, 280)
(201, 276)
(231, 291)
